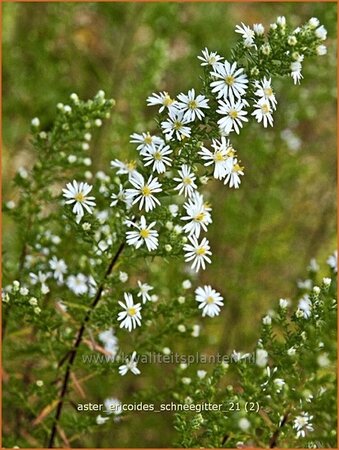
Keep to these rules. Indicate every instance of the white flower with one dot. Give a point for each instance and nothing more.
(196, 331)
(231, 83)
(247, 34)
(283, 303)
(233, 114)
(130, 318)
(77, 193)
(78, 284)
(279, 383)
(122, 197)
(323, 360)
(192, 105)
(296, 71)
(313, 22)
(113, 405)
(146, 141)
(158, 157)
(291, 351)
(305, 306)
(313, 265)
(197, 252)
(332, 261)
(210, 301)
(162, 99)
(265, 91)
(127, 167)
(60, 267)
(259, 29)
(144, 289)
(176, 124)
(263, 112)
(219, 157)
(186, 380)
(321, 50)
(233, 172)
(131, 365)
(244, 424)
(186, 181)
(198, 215)
(110, 342)
(281, 21)
(100, 420)
(201, 374)
(174, 209)
(210, 58)
(144, 191)
(267, 320)
(123, 277)
(302, 424)
(186, 284)
(327, 281)
(40, 278)
(261, 357)
(321, 33)
(143, 235)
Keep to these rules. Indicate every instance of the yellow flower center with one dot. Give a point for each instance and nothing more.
(209, 300)
(146, 191)
(230, 151)
(131, 165)
(211, 60)
(187, 180)
(144, 233)
(200, 251)
(157, 156)
(79, 197)
(177, 125)
(218, 157)
(229, 80)
(131, 311)
(265, 108)
(237, 168)
(148, 139)
(168, 100)
(199, 217)
(268, 92)
(192, 104)
(233, 114)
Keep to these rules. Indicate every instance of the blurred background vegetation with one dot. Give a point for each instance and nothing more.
(264, 234)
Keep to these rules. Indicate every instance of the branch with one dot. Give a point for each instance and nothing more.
(73, 352)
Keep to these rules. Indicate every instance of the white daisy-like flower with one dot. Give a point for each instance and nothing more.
(210, 58)
(210, 301)
(158, 156)
(231, 81)
(145, 141)
(247, 34)
(143, 192)
(220, 155)
(192, 105)
(40, 278)
(302, 424)
(124, 168)
(321, 33)
(263, 112)
(162, 99)
(131, 317)
(186, 181)
(78, 284)
(77, 193)
(305, 305)
(110, 342)
(265, 91)
(176, 125)
(121, 197)
(233, 172)
(197, 252)
(198, 215)
(258, 29)
(130, 365)
(144, 289)
(113, 406)
(234, 116)
(59, 267)
(143, 235)
(332, 261)
(296, 71)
